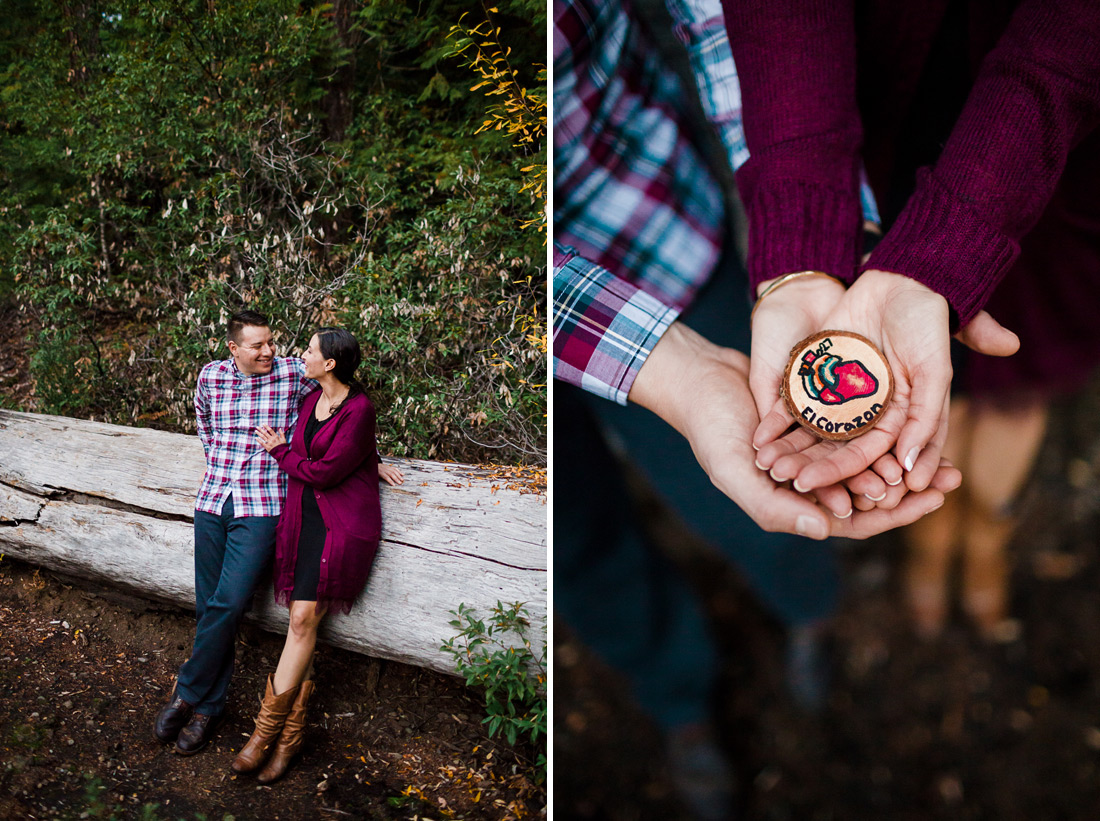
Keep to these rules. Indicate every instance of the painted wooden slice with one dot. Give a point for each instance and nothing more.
(837, 384)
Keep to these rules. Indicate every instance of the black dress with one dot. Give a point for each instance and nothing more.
(311, 541)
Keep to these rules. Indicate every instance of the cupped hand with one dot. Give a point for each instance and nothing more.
(909, 323)
(780, 321)
(702, 390)
(878, 486)
(908, 507)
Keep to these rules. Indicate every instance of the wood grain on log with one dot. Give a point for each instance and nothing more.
(115, 504)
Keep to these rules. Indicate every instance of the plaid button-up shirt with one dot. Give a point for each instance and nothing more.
(229, 406)
(638, 215)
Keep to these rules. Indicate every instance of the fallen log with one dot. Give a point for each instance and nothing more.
(114, 505)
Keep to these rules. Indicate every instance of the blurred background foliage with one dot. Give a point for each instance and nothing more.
(368, 163)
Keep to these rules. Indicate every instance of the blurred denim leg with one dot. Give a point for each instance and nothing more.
(624, 599)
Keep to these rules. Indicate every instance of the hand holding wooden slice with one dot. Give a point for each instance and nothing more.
(837, 384)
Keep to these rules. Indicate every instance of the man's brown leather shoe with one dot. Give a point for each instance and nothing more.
(197, 734)
(171, 719)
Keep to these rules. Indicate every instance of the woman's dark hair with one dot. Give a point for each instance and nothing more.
(339, 345)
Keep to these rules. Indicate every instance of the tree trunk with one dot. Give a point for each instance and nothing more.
(337, 101)
(115, 504)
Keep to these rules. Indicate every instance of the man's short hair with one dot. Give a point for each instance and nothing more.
(242, 318)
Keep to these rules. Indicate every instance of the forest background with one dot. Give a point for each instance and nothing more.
(375, 164)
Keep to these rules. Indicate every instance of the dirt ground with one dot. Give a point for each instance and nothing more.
(83, 672)
(954, 728)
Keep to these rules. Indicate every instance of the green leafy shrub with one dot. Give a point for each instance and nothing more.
(495, 655)
(321, 169)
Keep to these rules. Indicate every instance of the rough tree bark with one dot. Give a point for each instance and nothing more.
(115, 505)
(337, 102)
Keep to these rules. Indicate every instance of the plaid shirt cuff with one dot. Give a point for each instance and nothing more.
(604, 327)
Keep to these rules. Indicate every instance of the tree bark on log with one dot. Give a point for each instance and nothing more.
(115, 505)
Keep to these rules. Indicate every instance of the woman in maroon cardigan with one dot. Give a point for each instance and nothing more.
(327, 535)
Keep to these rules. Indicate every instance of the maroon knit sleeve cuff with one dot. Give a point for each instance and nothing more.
(799, 225)
(941, 241)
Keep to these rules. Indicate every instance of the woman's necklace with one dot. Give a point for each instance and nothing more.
(329, 404)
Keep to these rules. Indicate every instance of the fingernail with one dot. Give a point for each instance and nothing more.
(776, 478)
(846, 515)
(876, 498)
(757, 463)
(893, 484)
(755, 446)
(911, 457)
(810, 527)
(799, 487)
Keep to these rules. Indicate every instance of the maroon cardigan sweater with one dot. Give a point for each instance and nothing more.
(1035, 96)
(341, 468)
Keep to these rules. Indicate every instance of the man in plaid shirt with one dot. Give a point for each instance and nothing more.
(236, 513)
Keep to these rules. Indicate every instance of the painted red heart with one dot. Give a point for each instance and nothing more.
(852, 381)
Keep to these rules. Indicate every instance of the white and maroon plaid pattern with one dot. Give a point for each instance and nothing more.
(229, 406)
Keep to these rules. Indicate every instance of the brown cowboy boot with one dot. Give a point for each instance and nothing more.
(291, 739)
(269, 723)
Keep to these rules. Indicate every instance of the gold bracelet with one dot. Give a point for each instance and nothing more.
(779, 282)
